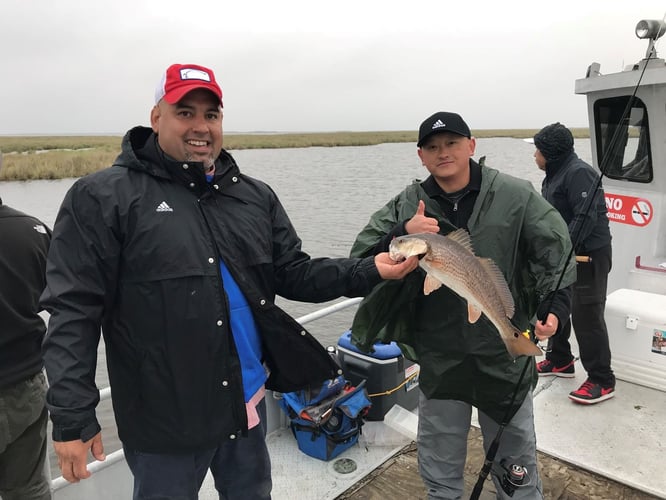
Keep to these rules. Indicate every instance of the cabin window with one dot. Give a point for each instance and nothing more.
(623, 139)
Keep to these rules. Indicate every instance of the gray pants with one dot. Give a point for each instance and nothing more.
(442, 447)
(23, 441)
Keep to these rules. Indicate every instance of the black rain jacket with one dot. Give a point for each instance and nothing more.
(135, 251)
(24, 242)
(567, 186)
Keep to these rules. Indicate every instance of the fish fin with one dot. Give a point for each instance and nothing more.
(462, 237)
(499, 282)
(473, 313)
(430, 284)
(521, 345)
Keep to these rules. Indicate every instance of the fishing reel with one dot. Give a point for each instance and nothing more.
(513, 476)
(334, 423)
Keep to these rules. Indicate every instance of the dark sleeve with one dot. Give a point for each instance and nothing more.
(80, 273)
(558, 303)
(301, 277)
(581, 184)
(383, 244)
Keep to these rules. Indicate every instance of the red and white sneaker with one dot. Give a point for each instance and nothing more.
(590, 393)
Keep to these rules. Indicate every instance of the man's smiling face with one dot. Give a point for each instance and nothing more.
(191, 129)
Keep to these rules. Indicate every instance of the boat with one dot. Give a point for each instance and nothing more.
(619, 439)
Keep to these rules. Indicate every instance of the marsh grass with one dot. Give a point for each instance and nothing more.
(29, 158)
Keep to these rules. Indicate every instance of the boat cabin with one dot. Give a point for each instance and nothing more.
(627, 116)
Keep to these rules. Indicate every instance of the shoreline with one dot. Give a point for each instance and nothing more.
(58, 157)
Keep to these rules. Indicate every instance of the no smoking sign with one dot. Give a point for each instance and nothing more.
(641, 212)
(629, 209)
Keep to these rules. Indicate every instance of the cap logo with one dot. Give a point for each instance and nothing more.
(194, 74)
(438, 124)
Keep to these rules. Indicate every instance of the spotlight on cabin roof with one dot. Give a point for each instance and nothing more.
(650, 28)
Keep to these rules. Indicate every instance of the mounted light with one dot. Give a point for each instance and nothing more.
(650, 28)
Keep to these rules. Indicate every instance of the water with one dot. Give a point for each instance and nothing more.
(329, 194)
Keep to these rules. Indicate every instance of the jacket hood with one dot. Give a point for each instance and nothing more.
(554, 166)
(141, 151)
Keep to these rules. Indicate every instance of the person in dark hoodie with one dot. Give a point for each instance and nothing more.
(24, 243)
(178, 257)
(573, 188)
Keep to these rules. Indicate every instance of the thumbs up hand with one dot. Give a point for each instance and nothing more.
(420, 223)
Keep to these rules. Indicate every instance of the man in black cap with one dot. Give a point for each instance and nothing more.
(570, 186)
(465, 364)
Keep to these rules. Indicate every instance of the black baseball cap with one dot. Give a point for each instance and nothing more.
(443, 121)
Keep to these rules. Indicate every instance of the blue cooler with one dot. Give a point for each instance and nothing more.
(384, 370)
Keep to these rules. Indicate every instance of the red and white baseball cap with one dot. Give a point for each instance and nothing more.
(179, 79)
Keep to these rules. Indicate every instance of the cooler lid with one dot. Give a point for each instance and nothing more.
(381, 350)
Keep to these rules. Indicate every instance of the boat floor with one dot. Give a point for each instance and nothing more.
(611, 450)
(611, 455)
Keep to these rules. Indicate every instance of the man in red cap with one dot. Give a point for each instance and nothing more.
(177, 256)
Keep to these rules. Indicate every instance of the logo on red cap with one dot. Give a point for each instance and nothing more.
(179, 79)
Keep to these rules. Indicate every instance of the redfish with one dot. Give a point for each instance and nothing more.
(450, 261)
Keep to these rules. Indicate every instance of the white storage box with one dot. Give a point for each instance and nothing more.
(636, 323)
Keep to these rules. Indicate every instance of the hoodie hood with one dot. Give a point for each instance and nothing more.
(141, 151)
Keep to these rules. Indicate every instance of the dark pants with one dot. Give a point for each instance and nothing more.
(587, 314)
(23, 441)
(240, 467)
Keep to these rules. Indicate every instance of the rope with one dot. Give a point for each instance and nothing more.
(391, 391)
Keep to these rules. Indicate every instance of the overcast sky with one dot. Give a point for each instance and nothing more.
(91, 67)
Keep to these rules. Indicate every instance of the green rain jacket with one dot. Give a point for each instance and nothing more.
(526, 237)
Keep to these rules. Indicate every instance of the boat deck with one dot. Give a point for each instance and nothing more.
(620, 438)
(612, 450)
(601, 452)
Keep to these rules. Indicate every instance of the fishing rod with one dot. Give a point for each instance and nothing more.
(514, 477)
(494, 446)
(605, 160)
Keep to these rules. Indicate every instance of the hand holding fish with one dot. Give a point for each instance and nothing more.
(390, 269)
(543, 331)
(420, 223)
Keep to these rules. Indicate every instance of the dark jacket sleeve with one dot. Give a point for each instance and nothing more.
(300, 277)
(80, 274)
(382, 227)
(383, 245)
(582, 182)
(558, 303)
